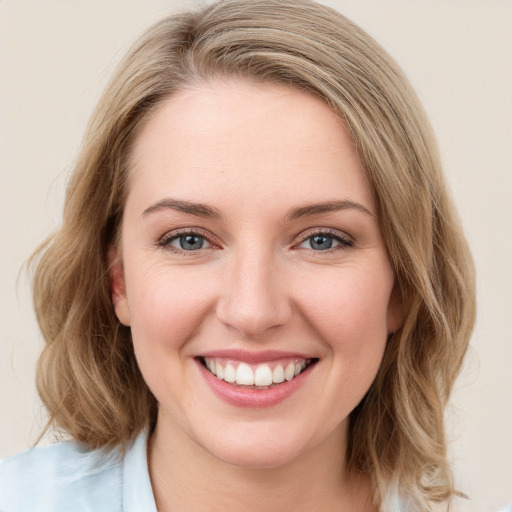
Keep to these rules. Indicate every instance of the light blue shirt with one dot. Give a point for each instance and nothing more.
(65, 477)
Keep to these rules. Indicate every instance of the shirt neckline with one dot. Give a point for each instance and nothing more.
(137, 491)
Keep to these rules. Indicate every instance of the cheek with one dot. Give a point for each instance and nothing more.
(167, 311)
(167, 307)
(350, 315)
(350, 302)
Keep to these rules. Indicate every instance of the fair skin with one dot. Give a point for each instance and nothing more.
(250, 237)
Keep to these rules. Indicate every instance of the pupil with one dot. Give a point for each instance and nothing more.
(321, 242)
(191, 242)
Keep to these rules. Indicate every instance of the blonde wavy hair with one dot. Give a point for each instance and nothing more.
(88, 377)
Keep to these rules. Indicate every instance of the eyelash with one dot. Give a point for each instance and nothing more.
(165, 241)
(344, 242)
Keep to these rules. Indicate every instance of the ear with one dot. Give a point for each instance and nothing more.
(118, 286)
(395, 313)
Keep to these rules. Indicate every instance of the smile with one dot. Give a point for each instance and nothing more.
(257, 376)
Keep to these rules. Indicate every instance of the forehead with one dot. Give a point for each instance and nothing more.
(246, 138)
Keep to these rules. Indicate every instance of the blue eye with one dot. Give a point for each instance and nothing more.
(325, 242)
(321, 242)
(190, 242)
(187, 242)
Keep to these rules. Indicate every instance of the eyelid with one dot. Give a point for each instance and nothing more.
(164, 240)
(345, 240)
(336, 233)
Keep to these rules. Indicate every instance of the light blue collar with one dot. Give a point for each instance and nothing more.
(137, 490)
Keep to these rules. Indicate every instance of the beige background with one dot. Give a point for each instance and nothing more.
(55, 57)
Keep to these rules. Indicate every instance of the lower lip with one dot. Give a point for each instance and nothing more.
(253, 398)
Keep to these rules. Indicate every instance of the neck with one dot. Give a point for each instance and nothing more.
(185, 476)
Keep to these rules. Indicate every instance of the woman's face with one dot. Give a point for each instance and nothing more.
(251, 248)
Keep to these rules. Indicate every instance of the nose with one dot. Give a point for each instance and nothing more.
(254, 299)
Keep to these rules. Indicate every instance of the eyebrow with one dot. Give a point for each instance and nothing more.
(198, 209)
(326, 207)
(203, 210)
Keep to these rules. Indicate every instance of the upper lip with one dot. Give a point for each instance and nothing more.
(247, 356)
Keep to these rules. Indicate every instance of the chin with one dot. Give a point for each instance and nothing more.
(256, 457)
(256, 448)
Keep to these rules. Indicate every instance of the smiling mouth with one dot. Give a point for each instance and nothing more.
(256, 376)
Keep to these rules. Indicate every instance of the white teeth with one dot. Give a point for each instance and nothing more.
(278, 374)
(263, 376)
(289, 373)
(244, 375)
(219, 371)
(230, 373)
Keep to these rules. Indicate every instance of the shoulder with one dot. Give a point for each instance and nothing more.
(61, 477)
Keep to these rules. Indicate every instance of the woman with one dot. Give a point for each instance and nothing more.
(260, 296)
